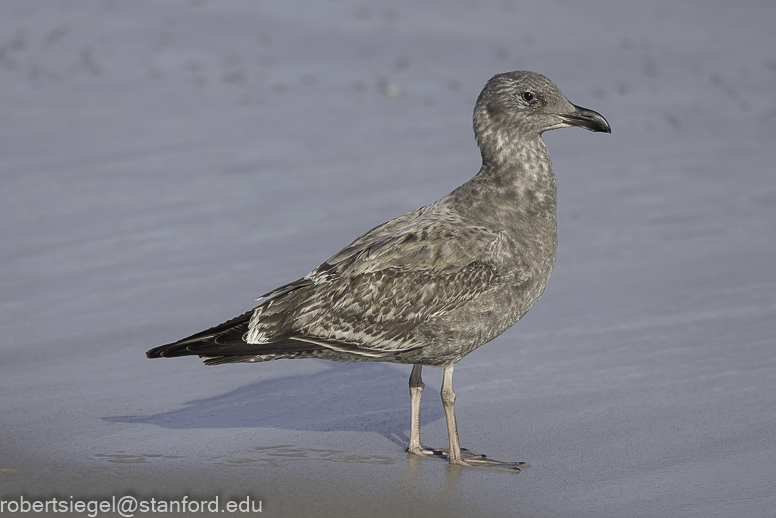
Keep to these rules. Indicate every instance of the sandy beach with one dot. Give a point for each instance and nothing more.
(165, 163)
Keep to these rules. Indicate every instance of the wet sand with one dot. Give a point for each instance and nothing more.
(154, 155)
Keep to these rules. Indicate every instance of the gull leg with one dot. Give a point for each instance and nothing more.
(416, 389)
(455, 454)
(448, 402)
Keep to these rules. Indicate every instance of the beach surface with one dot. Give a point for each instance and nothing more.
(165, 163)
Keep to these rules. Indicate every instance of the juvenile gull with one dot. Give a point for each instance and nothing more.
(428, 287)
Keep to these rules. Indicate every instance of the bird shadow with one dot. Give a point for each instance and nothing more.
(364, 397)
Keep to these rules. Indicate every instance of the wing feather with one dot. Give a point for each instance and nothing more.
(369, 298)
(372, 295)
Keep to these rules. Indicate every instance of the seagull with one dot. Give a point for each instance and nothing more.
(431, 286)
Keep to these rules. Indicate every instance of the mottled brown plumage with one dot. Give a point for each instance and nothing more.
(428, 287)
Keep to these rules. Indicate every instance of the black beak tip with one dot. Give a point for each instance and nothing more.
(588, 119)
(605, 127)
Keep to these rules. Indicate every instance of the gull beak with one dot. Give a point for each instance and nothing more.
(584, 118)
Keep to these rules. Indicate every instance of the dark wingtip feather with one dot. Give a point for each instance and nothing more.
(231, 329)
(221, 360)
(168, 351)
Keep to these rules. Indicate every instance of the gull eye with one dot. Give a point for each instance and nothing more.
(528, 97)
